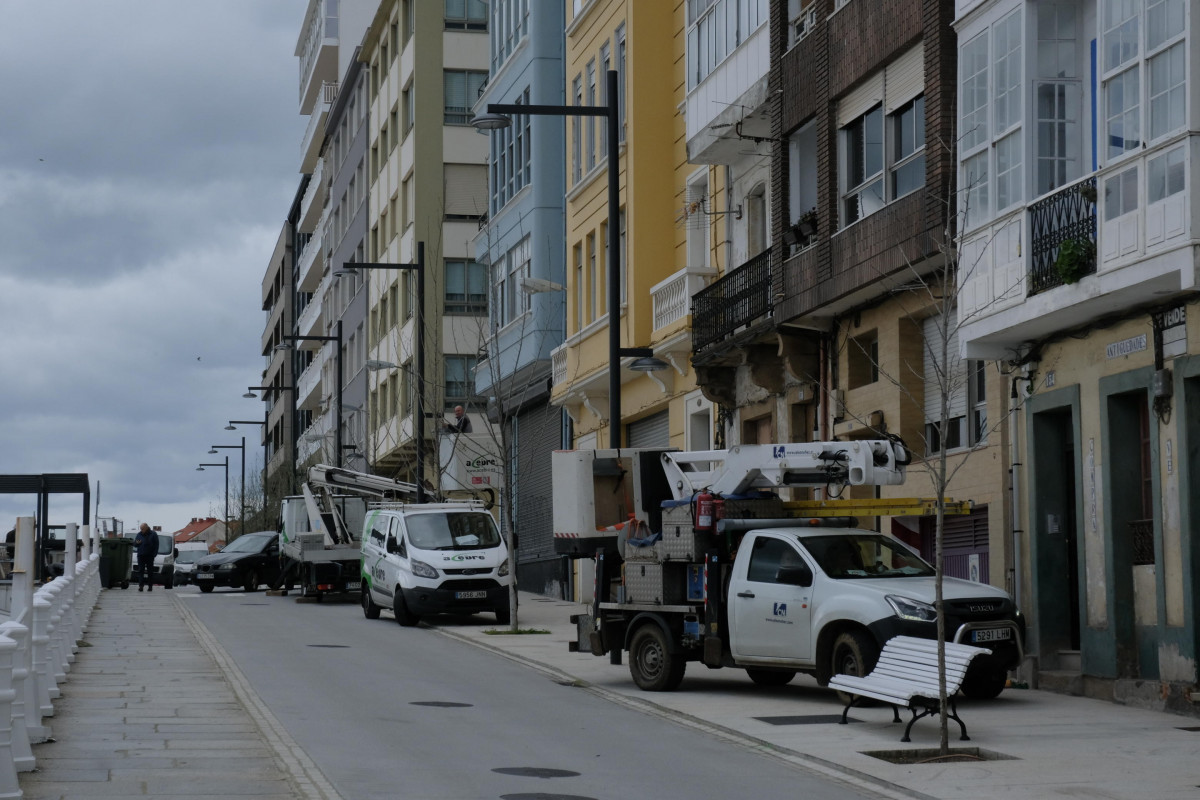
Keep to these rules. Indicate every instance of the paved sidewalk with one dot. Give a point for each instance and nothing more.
(154, 708)
(146, 712)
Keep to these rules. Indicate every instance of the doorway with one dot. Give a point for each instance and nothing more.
(1055, 491)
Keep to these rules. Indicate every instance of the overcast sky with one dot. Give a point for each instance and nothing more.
(149, 152)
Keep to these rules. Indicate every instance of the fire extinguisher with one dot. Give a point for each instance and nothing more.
(704, 511)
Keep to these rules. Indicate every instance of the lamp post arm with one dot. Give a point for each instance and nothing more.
(548, 111)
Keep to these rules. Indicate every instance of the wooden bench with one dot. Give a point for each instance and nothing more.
(906, 674)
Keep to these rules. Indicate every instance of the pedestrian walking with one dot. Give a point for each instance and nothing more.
(146, 544)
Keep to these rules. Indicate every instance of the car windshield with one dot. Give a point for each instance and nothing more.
(190, 556)
(250, 543)
(864, 555)
(466, 531)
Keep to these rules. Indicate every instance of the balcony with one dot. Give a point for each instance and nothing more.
(314, 134)
(310, 318)
(310, 265)
(313, 202)
(317, 49)
(671, 299)
(1130, 238)
(308, 387)
(732, 302)
(558, 365)
(317, 439)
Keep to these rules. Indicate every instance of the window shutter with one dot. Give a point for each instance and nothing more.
(466, 190)
(860, 100)
(905, 78)
(955, 378)
(653, 431)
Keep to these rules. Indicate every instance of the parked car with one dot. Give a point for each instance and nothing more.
(185, 563)
(247, 562)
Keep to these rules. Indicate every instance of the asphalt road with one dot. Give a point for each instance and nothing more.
(392, 712)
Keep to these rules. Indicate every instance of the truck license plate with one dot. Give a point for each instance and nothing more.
(992, 635)
(470, 595)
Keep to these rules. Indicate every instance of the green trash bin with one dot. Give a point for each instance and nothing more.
(116, 562)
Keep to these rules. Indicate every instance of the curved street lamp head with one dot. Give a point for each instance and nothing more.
(373, 364)
(490, 122)
(213, 452)
(648, 364)
(199, 469)
(249, 396)
(230, 427)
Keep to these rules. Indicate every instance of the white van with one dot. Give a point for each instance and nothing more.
(186, 556)
(433, 558)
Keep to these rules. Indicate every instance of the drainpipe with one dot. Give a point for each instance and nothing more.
(1013, 466)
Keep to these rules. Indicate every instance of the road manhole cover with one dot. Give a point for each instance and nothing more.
(334, 646)
(440, 704)
(536, 772)
(255, 604)
(543, 796)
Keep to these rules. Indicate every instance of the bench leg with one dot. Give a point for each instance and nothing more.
(896, 715)
(925, 712)
(954, 716)
(853, 699)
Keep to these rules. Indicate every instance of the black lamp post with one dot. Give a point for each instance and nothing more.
(338, 339)
(242, 494)
(226, 466)
(495, 118)
(418, 345)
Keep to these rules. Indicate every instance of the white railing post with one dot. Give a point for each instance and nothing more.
(69, 593)
(9, 786)
(54, 652)
(43, 673)
(23, 758)
(23, 612)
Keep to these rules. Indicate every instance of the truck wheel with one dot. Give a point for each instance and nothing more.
(400, 609)
(984, 680)
(370, 610)
(854, 653)
(503, 615)
(771, 677)
(206, 587)
(653, 667)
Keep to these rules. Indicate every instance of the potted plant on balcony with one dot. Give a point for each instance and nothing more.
(807, 223)
(1074, 258)
(1088, 192)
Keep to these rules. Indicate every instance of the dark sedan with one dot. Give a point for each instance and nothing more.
(247, 562)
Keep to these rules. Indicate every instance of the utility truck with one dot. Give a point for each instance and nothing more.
(699, 559)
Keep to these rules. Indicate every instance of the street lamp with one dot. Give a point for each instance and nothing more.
(226, 466)
(418, 345)
(242, 494)
(496, 118)
(338, 339)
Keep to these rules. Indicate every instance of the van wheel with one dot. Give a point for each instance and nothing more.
(370, 610)
(854, 653)
(503, 615)
(400, 609)
(771, 677)
(653, 666)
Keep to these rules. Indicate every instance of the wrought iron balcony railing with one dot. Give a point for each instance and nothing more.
(1068, 215)
(733, 301)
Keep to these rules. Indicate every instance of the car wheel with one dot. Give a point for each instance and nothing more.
(853, 653)
(771, 677)
(985, 679)
(206, 587)
(651, 663)
(370, 610)
(251, 584)
(400, 609)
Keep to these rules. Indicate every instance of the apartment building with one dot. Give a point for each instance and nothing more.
(836, 329)
(520, 262)
(427, 187)
(1076, 148)
(651, 158)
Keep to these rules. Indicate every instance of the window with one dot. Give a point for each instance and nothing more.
(511, 270)
(715, 29)
(1121, 194)
(962, 382)
(1168, 78)
(767, 557)
(462, 88)
(577, 257)
(862, 141)
(619, 38)
(408, 14)
(862, 360)
(409, 111)
(511, 158)
(802, 171)
(590, 122)
(908, 148)
(576, 132)
(1165, 175)
(470, 15)
(602, 123)
(460, 380)
(510, 23)
(594, 276)
(466, 287)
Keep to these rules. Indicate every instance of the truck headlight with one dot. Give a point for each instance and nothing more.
(422, 569)
(503, 568)
(915, 610)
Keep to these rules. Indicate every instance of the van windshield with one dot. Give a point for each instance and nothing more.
(165, 544)
(467, 531)
(190, 556)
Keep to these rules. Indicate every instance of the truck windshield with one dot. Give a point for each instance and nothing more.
(441, 531)
(865, 555)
